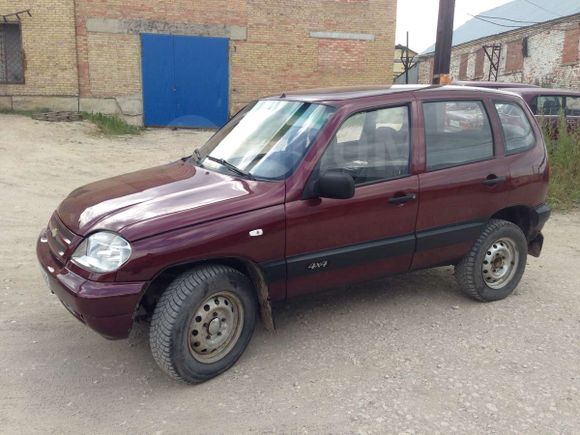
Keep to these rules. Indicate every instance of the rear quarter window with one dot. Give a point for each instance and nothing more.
(517, 131)
(572, 106)
(456, 133)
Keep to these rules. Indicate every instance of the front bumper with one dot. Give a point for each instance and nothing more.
(106, 307)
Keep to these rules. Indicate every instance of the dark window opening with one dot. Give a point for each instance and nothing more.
(11, 61)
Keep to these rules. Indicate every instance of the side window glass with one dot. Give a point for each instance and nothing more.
(456, 133)
(352, 129)
(534, 106)
(517, 131)
(549, 105)
(371, 146)
(573, 106)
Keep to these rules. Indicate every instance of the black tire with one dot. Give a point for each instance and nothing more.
(171, 330)
(469, 271)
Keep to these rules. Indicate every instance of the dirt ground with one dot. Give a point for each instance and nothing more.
(408, 354)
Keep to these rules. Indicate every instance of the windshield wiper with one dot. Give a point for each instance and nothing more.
(231, 167)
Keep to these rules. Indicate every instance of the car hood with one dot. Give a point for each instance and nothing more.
(164, 198)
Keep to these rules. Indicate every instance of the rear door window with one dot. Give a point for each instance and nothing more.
(549, 105)
(573, 106)
(456, 133)
(517, 130)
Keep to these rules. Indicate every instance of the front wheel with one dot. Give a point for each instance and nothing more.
(203, 323)
(495, 265)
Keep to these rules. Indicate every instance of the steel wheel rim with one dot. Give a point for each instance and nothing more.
(215, 327)
(500, 263)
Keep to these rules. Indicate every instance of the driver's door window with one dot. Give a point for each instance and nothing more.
(371, 146)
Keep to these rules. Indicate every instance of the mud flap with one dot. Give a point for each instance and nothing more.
(263, 298)
(535, 246)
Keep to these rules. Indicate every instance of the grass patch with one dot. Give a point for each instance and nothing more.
(564, 155)
(111, 125)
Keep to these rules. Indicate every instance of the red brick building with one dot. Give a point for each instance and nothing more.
(138, 57)
(531, 45)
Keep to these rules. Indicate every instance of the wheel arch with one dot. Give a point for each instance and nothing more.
(521, 215)
(162, 280)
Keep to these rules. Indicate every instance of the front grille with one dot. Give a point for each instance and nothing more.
(59, 238)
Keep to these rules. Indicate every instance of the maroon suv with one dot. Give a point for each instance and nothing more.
(550, 105)
(298, 193)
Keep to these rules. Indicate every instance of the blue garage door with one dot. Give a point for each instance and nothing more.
(185, 81)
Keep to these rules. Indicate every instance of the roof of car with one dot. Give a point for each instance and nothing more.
(347, 93)
(544, 91)
(329, 95)
(493, 85)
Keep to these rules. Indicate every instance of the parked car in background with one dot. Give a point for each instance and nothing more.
(492, 85)
(549, 104)
(298, 193)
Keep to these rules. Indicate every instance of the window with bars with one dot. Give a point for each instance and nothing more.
(11, 62)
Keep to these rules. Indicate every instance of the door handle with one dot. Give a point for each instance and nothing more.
(402, 199)
(493, 180)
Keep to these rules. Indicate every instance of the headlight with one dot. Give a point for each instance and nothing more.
(102, 252)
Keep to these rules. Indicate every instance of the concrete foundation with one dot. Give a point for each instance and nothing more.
(130, 108)
(42, 102)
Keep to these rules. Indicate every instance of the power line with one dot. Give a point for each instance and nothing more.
(496, 24)
(507, 19)
(543, 8)
(532, 23)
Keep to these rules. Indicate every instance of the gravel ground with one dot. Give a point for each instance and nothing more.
(408, 354)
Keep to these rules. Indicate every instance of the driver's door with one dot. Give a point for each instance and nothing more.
(333, 242)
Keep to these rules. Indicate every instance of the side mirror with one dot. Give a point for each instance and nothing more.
(336, 185)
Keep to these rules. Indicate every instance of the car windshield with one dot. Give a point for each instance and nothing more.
(266, 140)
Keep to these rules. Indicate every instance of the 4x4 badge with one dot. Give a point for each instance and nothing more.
(317, 265)
(256, 233)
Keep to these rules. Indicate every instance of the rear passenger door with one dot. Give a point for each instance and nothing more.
(464, 181)
(525, 159)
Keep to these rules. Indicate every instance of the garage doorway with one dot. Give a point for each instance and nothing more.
(185, 81)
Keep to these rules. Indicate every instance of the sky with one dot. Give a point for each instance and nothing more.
(419, 18)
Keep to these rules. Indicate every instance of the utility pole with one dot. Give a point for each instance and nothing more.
(444, 42)
(407, 60)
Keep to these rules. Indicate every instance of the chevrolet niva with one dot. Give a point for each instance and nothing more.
(298, 193)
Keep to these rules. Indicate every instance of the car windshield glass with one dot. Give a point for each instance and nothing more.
(266, 140)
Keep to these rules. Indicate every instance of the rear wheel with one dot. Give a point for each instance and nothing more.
(203, 323)
(495, 265)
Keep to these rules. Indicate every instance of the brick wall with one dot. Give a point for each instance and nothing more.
(479, 64)
(48, 44)
(553, 56)
(463, 64)
(274, 46)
